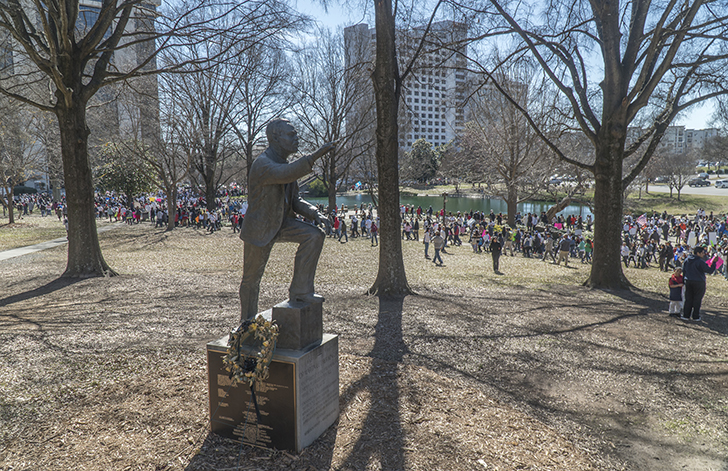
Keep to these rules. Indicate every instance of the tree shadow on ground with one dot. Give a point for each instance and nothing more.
(374, 443)
(555, 358)
(48, 288)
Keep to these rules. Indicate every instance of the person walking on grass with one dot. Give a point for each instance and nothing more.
(548, 248)
(439, 243)
(342, 230)
(426, 238)
(564, 248)
(495, 250)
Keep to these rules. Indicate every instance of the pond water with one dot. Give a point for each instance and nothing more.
(455, 204)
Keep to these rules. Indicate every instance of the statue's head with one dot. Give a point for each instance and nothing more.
(282, 136)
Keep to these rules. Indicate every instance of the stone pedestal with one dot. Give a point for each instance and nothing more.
(298, 401)
(303, 324)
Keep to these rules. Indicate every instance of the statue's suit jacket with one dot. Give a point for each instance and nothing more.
(273, 195)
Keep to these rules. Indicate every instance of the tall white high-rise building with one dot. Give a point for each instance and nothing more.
(433, 96)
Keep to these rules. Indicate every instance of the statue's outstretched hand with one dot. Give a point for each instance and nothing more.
(322, 220)
(324, 149)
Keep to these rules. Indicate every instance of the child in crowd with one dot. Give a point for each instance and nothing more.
(676, 289)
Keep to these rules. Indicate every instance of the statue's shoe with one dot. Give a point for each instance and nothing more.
(307, 298)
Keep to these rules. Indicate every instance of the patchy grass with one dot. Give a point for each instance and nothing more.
(526, 370)
(688, 204)
(29, 230)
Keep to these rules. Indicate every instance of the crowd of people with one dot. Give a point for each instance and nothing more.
(534, 236)
(663, 241)
(691, 246)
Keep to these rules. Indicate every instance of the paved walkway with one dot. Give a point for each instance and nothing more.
(6, 254)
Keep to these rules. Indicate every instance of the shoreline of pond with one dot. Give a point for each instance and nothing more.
(456, 202)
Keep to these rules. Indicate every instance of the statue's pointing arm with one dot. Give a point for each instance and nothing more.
(271, 172)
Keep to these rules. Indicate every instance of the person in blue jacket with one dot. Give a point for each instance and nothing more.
(694, 270)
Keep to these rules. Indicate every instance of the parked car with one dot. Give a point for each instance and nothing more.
(721, 184)
(698, 182)
(661, 179)
(704, 175)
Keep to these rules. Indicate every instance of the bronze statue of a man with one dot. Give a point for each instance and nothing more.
(273, 202)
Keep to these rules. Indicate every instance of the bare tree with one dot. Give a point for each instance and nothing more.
(388, 80)
(329, 107)
(512, 155)
(615, 63)
(163, 157)
(261, 94)
(205, 99)
(460, 165)
(715, 149)
(63, 53)
(679, 168)
(20, 154)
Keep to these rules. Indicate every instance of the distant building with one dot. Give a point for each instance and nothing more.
(678, 139)
(107, 116)
(433, 100)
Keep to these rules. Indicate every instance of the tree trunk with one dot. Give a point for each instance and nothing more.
(512, 205)
(248, 160)
(606, 271)
(171, 206)
(84, 252)
(210, 190)
(332, 180)
(560, 206)
(391, 279)
(11, 206)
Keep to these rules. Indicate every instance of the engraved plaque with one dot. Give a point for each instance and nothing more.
(233, 413)
(297, 403)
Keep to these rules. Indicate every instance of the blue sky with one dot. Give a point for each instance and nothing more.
(336, 14)
(339, 14)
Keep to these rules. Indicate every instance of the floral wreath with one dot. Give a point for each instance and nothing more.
(253, 368)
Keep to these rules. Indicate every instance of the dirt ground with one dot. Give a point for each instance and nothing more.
(527, 370)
